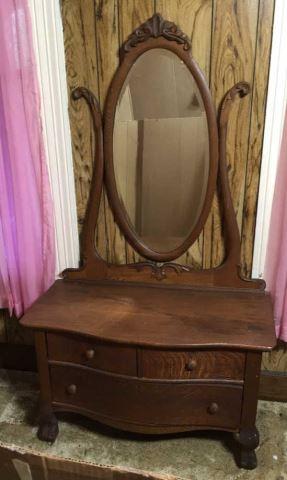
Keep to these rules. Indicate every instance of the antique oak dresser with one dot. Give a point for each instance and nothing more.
(156, 345)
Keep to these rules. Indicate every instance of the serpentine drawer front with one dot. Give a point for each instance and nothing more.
(168, 403)
(193, 364)
(85, 351)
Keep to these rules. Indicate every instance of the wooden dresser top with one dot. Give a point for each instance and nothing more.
(156, 316)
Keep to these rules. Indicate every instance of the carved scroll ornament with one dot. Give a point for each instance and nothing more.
(156, 27)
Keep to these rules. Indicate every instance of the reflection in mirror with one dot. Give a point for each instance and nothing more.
(160, 149)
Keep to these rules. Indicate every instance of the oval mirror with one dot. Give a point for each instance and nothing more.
(161, 150)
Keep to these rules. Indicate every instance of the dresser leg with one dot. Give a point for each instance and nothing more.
(248, 438)
(48, 427)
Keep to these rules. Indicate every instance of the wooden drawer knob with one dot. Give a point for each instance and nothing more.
(90, 354)
(191, 365)
(213, 408)
(72, 389)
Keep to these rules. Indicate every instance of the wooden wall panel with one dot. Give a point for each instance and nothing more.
(259, 96)
(232, 60)
(79, 26)
(81, 64)
(230, 42)
(107, 38)
(194, 18)
(275, 361)
(133, 13)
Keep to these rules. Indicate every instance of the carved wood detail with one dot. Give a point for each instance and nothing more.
(159, 271)
(159, 267)
(156, 27)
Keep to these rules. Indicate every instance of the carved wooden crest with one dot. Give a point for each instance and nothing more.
(156, 27)
(159, 271)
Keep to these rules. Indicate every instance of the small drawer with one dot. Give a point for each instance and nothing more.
(85, 351)
(205, 364)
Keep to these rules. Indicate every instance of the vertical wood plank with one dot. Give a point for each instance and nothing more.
(263, 48)
(275, 361)
(133, 13)
(79, 28)
(80, 50)
(93, 31)
(107, 38)
(195, 19)
(232, 60)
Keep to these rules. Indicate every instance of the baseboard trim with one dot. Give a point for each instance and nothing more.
(14, 356)
(273, 386)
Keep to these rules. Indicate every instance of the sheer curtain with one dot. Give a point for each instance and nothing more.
(27, 250)
(276, 258)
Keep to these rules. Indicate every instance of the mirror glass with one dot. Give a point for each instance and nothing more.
(161, 150)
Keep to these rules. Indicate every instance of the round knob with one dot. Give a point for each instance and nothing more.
(90, 354)
(191, 364)
(72, 389)
(213, 408)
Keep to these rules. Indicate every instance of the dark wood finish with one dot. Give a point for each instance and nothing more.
(48, 425)
(14, 356)
(156, 27)
(180, 404)
(273, 386)
(193, 364)
(155, 347)
(248, 439)
(248, 436)
(166, 317)
(84, 351)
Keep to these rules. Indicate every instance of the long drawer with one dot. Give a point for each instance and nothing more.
(204, 364)
(147, 402)
(85, 351)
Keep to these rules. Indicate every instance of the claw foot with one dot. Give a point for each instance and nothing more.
(247, 459)
(48, 428)
(248, 438)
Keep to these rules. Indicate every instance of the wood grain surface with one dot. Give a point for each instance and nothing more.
(193, 364)
(152, 316)
(168, 404)
(232, 61)
(259, 96)
(231, 42)
(84, 351)
(193, 17)
(275, 361)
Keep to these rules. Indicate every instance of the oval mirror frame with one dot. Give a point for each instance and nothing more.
(135, 46)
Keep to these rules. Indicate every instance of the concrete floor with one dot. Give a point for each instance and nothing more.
(194, 456)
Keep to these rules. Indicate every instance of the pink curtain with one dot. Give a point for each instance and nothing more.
(276, 258)
(27, 252)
